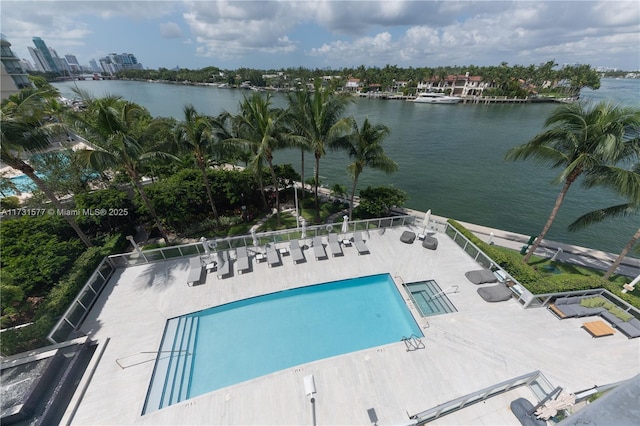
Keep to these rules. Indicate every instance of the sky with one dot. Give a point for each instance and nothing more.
(331, 34)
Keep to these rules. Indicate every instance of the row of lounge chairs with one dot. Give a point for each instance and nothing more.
(222, 264)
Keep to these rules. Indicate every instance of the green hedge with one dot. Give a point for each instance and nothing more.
(509, 260)
(566, 282)
(59, 299)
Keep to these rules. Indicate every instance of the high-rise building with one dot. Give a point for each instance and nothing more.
(10, 68)
(114, 62)
(72, 61)
(38, 60)
(46, 54)
(94, 66)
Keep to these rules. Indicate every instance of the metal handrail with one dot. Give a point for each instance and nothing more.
(441, 292)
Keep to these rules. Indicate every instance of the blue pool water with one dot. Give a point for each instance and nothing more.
(229, 344)
(430, 298)
(23, 183)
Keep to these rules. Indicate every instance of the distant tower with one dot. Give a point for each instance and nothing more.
(11, 68)
(72, 61)
(94, 66)
(46, 54)
(38, 59)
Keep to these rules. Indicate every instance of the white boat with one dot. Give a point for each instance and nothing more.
(436, 98)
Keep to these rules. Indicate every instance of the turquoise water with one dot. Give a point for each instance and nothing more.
(23, 183)
(229, 344)
(430, 299)
(450, 157)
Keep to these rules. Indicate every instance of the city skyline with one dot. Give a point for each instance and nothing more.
(331, 34)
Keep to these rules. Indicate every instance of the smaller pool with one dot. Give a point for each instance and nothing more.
(22, 183)
(430, 299)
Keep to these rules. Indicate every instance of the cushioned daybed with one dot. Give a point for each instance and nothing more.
(430, 243)
(495, 293)
(408, 237)
(481, 276)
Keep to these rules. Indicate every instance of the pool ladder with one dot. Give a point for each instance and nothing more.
(412, 343)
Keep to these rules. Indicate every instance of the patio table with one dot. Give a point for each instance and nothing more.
(598, 328)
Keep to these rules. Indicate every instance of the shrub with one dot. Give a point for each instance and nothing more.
(565, 282)
(59, 298)
(509, 260)
(8, 203)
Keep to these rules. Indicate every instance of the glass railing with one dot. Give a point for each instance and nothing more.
(536, 381)
(75, 314)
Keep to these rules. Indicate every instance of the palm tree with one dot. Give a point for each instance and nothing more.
(117, 129)
(260, 127)
(626, 183)
(198, 133)
(317, 121)
(364, 146)
(582, 140)
(295, 114)
(24, 132)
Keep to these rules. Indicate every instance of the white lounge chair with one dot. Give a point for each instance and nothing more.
(243, 259)
(223, 265)
(318, 248)
(359, 243)
(296, 252)
(272, 256)
(195, 271)
(334, 245)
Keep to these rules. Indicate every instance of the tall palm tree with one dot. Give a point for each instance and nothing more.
(626, 183)
(260, 127)
(24, 131)
(364, 146)
(318, 122)
(199, 134)
(596, 216)
(117, 130)
(295, 115)
(581, 139)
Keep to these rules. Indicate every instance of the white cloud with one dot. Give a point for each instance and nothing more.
(170, 30)
(482, 34)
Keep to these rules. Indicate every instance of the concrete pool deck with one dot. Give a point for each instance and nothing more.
(478, 346)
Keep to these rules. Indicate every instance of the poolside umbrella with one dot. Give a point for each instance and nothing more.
(425, 221)
(345, 224)
(254, 238)
(303, 233)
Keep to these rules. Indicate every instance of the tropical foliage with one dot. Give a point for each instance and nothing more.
(26, 130)
(585, 140)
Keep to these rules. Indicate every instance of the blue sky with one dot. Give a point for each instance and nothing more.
(334, 34)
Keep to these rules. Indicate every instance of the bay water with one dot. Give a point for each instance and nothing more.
(450, 157)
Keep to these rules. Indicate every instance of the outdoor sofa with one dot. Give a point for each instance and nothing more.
(585, 306)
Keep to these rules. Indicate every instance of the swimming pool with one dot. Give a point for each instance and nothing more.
(239, 341)
(23, 183)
